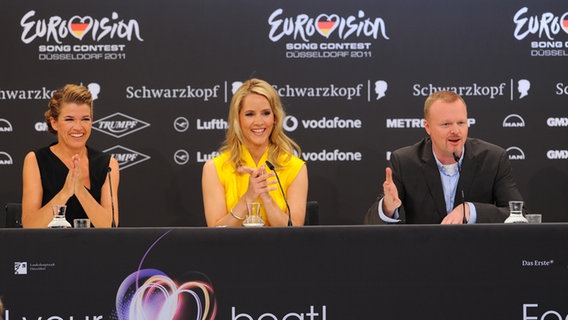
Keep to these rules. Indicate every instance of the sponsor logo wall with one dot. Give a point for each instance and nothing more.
(353, 77)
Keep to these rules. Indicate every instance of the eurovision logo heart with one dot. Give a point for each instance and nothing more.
(565, 24)
(79, 26)
(326, 24)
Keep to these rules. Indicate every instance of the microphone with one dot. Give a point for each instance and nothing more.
(271, 167)
(113, 223)
(457, 159)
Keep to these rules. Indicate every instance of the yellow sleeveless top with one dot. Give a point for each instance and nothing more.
(236, 184)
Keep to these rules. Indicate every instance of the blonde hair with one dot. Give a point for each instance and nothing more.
(70, 93)
(445, 96)
(279, 143)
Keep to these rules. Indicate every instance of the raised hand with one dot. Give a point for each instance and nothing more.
(390, 201)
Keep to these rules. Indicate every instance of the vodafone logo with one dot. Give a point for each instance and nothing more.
(332, 156)
(292, 123)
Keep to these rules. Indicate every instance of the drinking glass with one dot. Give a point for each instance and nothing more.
(253, 218)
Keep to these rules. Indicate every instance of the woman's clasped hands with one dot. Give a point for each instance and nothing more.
(260, 182)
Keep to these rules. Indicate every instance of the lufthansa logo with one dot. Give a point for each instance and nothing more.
(290, 123)
(181, 124)
(181, 157)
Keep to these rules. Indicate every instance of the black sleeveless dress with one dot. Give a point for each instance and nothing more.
(54, 172)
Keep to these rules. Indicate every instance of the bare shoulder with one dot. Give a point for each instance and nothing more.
(209, 165)
(30, 158)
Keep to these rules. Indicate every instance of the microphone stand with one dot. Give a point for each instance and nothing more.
(113, 222)
(457, 159)
(271, 167)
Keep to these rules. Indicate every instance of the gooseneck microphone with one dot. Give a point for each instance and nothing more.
(457, 159)
(113, 223)
(271, 167)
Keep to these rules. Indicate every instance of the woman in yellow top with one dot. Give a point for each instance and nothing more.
(240, 175)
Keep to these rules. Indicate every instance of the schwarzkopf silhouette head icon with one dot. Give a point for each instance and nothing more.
(523, 88)
(94, 88)
(381, 87)
(235, 86)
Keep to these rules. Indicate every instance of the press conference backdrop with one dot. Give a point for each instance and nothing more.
(353, 76)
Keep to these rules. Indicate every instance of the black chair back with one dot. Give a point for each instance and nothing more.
(312, 213)
(13, 217)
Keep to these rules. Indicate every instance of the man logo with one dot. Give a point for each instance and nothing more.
(181, 157)
(515, 153)
(126, 157)
(513, 121)
(181, 124)
(5, 126)
(20, 268)
(290, 123)
(119, 125)
(523, 88)
(5, 159)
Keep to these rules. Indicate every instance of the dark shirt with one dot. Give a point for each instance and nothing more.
(54, 172)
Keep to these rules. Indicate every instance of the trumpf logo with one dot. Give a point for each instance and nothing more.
(5, 159)
(119, 125)
(126, 157)
(513, 121)
(515, 153)
(5, 126)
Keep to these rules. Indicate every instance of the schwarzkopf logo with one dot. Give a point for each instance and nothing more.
(126, 157)
(119, 125)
